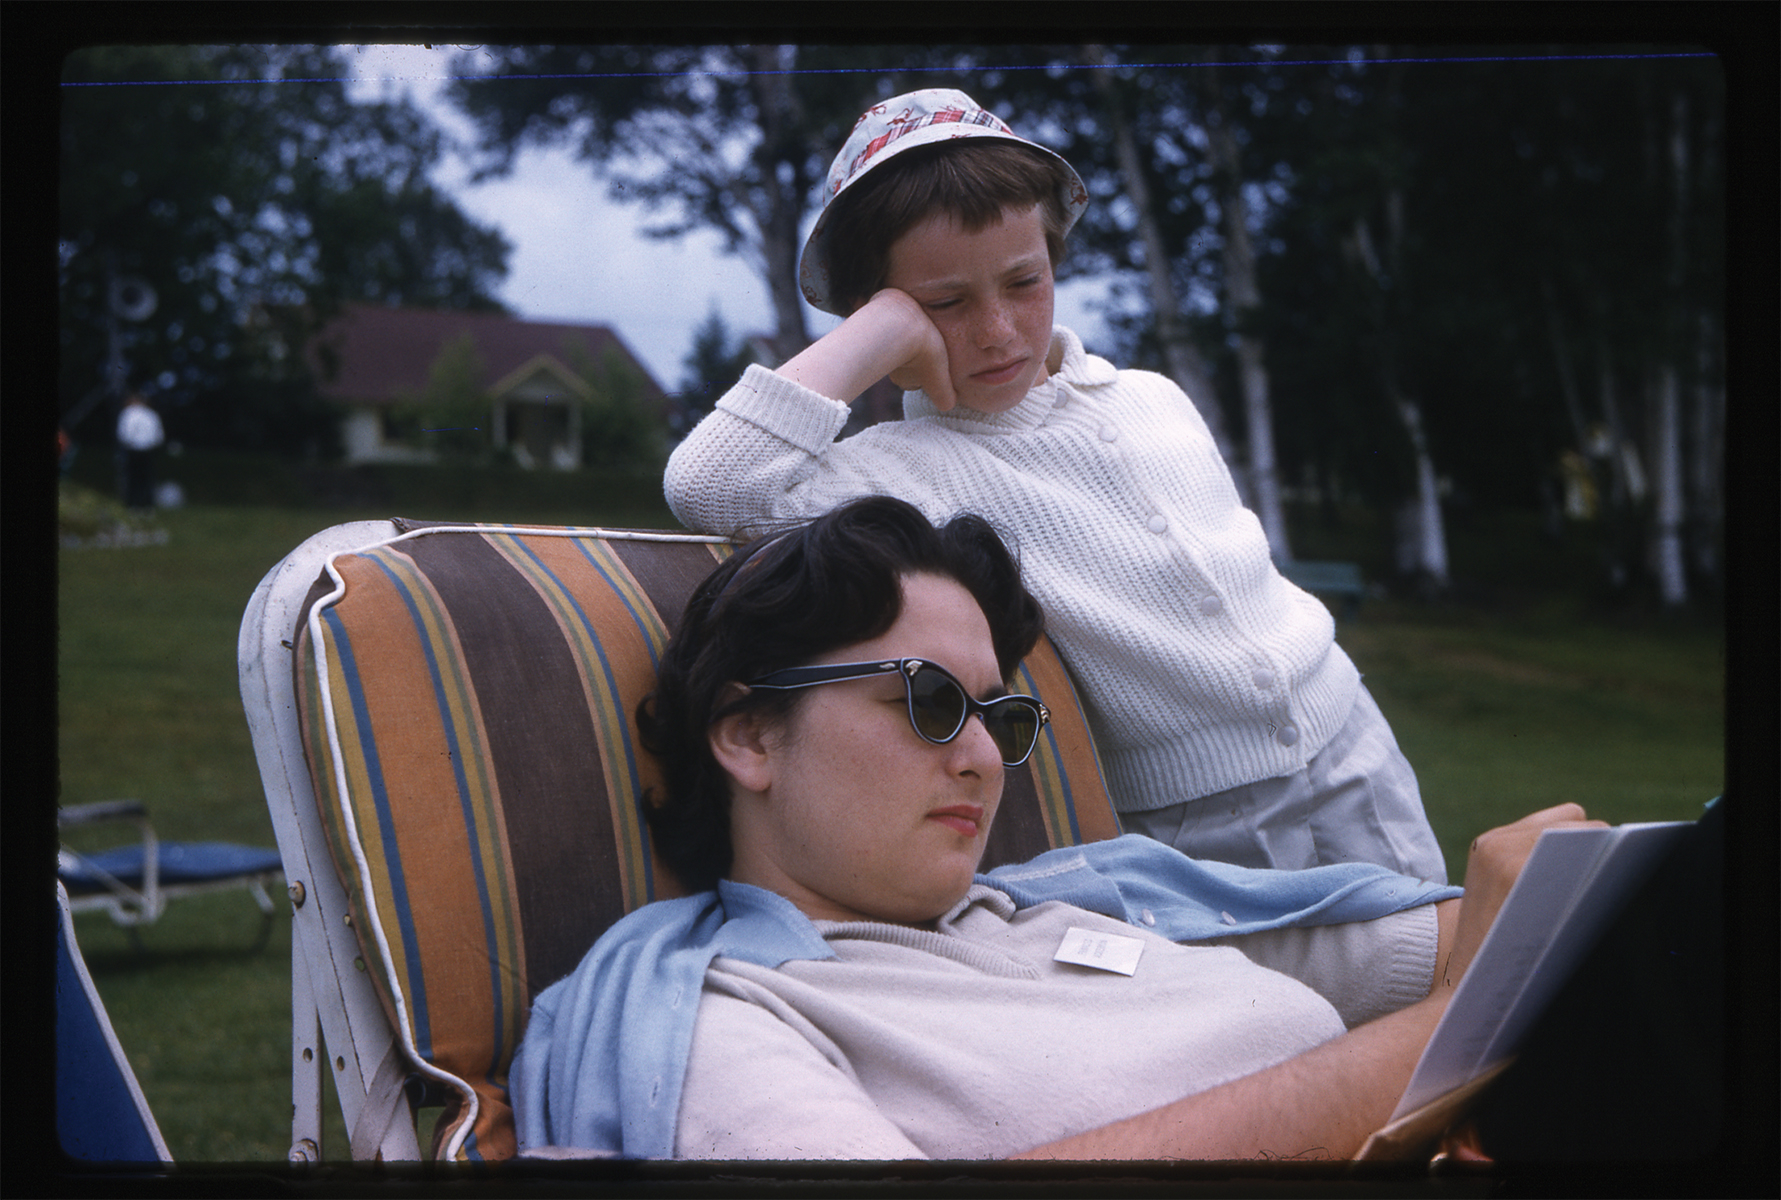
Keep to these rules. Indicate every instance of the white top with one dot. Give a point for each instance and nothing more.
(138, 427)
(971, 1042)
(1201, 667)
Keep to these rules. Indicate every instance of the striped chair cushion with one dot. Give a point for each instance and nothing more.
(471, 744)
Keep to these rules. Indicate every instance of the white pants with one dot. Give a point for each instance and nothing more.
(1356, 801)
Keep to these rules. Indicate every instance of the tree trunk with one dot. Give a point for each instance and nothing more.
(1264, 475)
(1183, 359)
(1561, 354)
(784, 198)
(1425, 533)
(1244, 297)
(1666, 433)
(1707, 503)
(1422, 534)
(1628, 486)
(1666, 449)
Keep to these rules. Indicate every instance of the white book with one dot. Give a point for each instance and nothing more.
(1572, 885)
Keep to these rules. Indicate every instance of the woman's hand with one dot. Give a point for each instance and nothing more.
(889, 335)
(1492, 867)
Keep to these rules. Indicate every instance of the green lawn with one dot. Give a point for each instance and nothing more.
(1500, 721)
(1499, 715)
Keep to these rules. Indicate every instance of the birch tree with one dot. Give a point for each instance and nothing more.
(1243, 302)
(1666, 422)
(1422, 534)
(1636, 166)
(1186, 365)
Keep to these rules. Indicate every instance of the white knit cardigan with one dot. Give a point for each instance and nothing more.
(1201, 668)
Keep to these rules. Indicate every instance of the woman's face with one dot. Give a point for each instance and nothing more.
(850, 814)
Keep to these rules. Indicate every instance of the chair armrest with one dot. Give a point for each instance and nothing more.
(72, 815)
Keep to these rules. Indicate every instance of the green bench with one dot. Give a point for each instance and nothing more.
(1338, 581)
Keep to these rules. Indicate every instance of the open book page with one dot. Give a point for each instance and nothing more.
(1572, 885)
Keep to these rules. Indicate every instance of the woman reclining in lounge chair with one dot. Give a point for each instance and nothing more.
(851, 988)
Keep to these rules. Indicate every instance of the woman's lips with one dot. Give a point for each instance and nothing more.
(964, 819)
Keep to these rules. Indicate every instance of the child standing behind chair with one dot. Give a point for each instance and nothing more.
(1229, 722)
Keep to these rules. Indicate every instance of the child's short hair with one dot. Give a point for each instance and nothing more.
(975, 181)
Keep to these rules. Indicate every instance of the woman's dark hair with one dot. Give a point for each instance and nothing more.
(782, 601)
(973, 180)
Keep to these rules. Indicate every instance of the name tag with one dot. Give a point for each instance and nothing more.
(1103, 951)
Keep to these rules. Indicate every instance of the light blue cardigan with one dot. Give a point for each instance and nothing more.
(605, 1053)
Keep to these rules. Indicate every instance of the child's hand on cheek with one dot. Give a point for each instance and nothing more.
(923, 364)
(888, 335)
(926, 368)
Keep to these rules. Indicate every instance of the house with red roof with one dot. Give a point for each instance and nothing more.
(374, 362)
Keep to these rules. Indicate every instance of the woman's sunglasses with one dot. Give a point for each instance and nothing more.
(939, 706)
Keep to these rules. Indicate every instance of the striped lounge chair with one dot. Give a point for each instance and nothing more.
(442, 716)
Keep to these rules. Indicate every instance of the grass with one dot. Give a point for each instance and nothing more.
(1500, 721)
(1500, 714)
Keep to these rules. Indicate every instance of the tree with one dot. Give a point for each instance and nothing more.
(1242, 302)
(450, 416)
(1426, 279)
(733, 139)
(245, 190)
(1422, 531)
(1117, 124)
(1186, 365)
(1494, 241)
(712, 366)
(1611, 169)
(623, 423)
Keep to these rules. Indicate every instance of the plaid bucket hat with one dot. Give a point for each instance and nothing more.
(886, 130)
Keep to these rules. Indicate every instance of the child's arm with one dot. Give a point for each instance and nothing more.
(888, 335)
(768, 453)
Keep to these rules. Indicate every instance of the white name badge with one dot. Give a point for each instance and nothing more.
(1103, 951)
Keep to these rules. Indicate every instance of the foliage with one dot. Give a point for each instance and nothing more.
(1521, 242)
(732, 139)
(85, 516)
(450, 416)
(712, 366)
(623, 423)
(254, 198)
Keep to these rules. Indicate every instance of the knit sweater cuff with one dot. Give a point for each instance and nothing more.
(1414, 958)
(787, 410)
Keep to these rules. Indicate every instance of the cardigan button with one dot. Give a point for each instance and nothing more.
(1287, 735)
(1211, 606)
(1109, 434)
(1264, 678)
(1158, 524)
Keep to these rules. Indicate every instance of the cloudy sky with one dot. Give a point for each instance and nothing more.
(579, 257)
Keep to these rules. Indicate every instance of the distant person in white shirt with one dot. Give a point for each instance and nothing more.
(139, 437)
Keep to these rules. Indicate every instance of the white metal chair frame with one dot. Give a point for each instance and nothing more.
(337, 1019)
